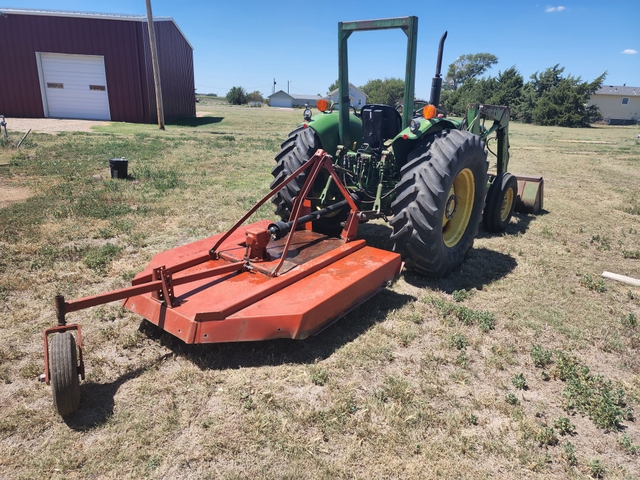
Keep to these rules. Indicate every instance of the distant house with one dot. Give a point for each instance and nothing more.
(357, 97)
(289, 100)
(618, 105)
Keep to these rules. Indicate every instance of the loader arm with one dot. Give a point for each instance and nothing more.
(500, 116)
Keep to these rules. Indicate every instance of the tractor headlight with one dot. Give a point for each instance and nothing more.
(307, 114)
(414, 126)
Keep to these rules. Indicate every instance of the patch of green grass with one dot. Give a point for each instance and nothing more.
(98, 258)
(161, 179)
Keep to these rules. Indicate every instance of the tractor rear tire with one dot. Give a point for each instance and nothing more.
(295, 151)
(63, 366)
(501, 200)
(439, 203)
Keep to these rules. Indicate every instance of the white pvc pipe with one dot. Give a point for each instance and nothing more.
(621, 278)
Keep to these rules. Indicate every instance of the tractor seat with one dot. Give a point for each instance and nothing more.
(379, 123)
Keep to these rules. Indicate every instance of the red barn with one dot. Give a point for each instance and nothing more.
(92, 66)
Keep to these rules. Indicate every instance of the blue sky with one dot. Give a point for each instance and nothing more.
(249, 43)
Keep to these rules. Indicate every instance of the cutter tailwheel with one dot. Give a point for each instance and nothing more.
(63, 365)
(439, 203)
(501, 201)
(295, 152)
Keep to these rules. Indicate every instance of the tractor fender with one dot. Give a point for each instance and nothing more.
(326, 126)
(403, 143)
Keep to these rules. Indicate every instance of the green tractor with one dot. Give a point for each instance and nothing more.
(424, 173)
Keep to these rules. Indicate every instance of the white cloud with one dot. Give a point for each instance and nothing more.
(629, 51)
(554, 9)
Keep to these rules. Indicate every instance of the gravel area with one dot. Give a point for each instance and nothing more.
(51, 125)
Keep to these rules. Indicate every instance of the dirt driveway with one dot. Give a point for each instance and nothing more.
(51, 125)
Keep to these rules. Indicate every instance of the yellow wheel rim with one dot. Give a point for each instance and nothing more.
(507, 203)
(458, 208)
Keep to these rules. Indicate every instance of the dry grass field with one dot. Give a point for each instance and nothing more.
(524, 363)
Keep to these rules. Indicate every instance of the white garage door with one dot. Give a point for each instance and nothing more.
(74, 86)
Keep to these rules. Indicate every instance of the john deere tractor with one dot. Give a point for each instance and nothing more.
(408, 164)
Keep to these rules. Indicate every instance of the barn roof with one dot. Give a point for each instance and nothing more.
(616, 90)
(98, 16)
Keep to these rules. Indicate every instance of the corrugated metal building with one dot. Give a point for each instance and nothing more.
(93, 66)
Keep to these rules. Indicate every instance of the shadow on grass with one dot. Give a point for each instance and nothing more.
(195, 121)
(481, 267)
(519, 224)
(96, 405)
(226, 356)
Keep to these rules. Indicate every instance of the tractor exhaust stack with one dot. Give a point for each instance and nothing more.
(436, 83)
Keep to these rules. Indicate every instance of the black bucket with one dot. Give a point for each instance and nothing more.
(118, 167)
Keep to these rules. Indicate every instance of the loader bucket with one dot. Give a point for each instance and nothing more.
(530, 194)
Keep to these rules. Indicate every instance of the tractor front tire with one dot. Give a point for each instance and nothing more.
(63, 365)
(440, 201)
(501, 200)
(295, 151)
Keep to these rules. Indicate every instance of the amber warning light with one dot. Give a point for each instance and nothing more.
(322, 105)
(429, 111)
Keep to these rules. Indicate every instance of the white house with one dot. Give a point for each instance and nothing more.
(289, 100)
(618, 105)
(357, 97)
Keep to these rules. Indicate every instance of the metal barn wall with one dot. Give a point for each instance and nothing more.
(23, 35)
(128, 66)
(175, 57)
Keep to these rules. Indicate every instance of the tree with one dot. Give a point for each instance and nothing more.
(466, 67)
(255, 96)
(237, 96)
(333, 86)
(471, 91)
(389, 91)
(563, 100)
(508, 88)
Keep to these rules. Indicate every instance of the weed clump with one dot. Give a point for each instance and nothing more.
(630, 320)
(541, 356)
(569, 454)
(519, 382)
(484, 319)
(547, 436)
(591, 395)
(564, 426)
(627, 445)
(595, 285)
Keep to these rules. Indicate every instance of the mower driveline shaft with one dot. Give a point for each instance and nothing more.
(278, 230)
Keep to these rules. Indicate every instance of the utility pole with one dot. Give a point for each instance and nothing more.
(156, 66)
